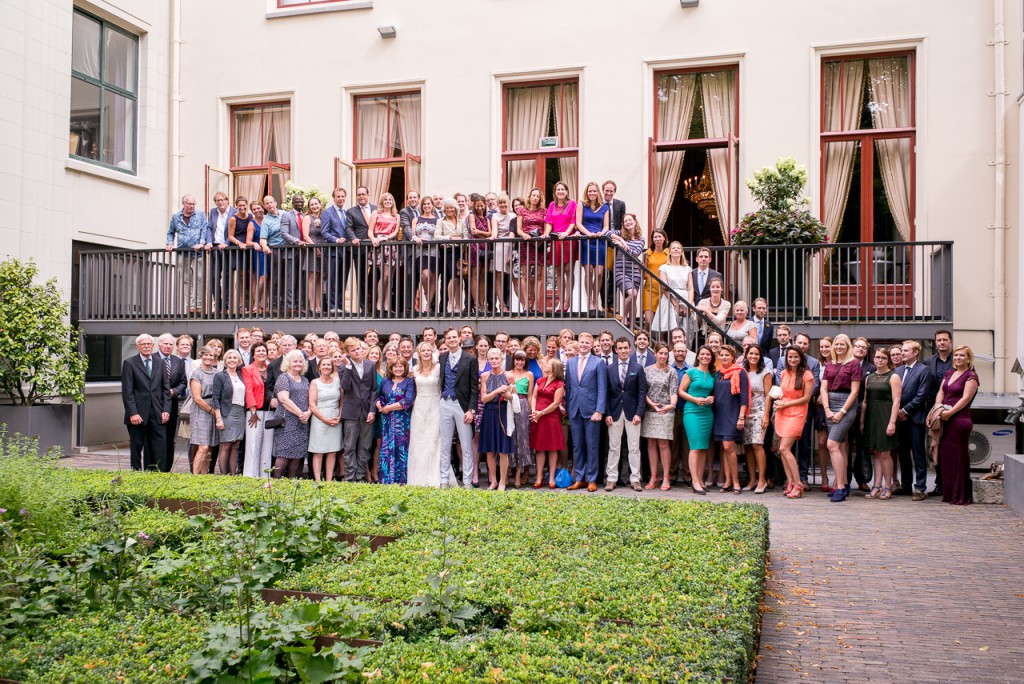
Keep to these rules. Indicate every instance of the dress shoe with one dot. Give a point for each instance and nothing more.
(918, 496)
(935, 492)
(578, 484)
(609, 486)
(592, 487)
(635, 486)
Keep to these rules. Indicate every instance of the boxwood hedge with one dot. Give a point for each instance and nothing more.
(562, 587)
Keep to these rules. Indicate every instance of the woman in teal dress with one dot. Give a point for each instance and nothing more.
(696, 388)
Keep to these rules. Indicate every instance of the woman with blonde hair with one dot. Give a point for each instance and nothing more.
(530, 226)
(383, 227)
(450, 259)
(204, 434)
(501, 229)
(229, 411)
(671, 312)
(840, 384)
(546, 436)
(592, 220)
(560, 222)
(959, 387)
(628, 275)
(425, 425)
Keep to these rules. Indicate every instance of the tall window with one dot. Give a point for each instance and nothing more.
(388, 136)
(693, 155)
(867, 148)
(261, 149)
(104, 93)
(540, 136)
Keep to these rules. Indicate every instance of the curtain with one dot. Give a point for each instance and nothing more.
(675, 110)
(526, 121)
(408, 111)
(277, 130)
(249, 152)
(718, 89)
(85, 45)
(373, 144)
(569, 135)
(844, 97)
(889, 79)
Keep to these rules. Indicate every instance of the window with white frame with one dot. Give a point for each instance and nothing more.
(104, 93)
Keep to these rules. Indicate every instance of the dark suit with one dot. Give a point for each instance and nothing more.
(917, 383)
(360, 400)
(220, 274)
(649, 359)
(767, 336)
(778, 360)
(615, 214)
(333, 226)
(626, 400)
(146, 395)
(408, 280)
(177, 387)
(704, 293)
(358, 228)
(585, 396)
(457, 397)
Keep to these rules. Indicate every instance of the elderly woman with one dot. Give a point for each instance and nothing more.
(291, 443)
(229, 411)
(741, 325)
(204, 432)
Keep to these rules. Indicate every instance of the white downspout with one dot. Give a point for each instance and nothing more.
(175, 113)
(999, 218)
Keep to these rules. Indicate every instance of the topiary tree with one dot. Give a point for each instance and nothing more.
(39, 356)
(783, 217)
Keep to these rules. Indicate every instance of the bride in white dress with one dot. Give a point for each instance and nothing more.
(424, 467)
(676, 272)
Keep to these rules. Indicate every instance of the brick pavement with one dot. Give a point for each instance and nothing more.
(873, 591)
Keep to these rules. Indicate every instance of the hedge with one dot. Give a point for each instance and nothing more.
(558, 587)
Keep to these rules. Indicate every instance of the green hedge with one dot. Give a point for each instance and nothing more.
(566, 588)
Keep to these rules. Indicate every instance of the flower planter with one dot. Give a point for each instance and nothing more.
(49, 423)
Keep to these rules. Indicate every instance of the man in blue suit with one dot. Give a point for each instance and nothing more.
(805, 452)
(765, 330)
(627, 399)
(586, 387)
(643, 354)
(333, 226)
(910, 427)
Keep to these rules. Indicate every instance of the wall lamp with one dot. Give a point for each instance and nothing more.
(686, 4)
(387, 31)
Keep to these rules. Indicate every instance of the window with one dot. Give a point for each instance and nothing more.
(104, 93)
(867, 148)
(540, 136)
(387, 144)
(260, 149)
(693, 155)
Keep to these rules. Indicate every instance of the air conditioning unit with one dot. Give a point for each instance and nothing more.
(988, 445)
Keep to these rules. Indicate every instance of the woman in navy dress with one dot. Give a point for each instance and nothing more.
(592, 221)
(496, 388)
(732, 392)
(291, 441)
(394, 407)
(957, 391)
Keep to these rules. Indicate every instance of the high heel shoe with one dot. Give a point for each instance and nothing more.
(651, 485)
(665, 486)
(797, 492)
(874, 494)
(886, 493)
(760, 489)
(536, 485)
(701, 492)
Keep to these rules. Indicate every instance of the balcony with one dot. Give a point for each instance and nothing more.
(880, 290)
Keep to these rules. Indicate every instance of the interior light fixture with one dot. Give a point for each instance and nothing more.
(686, 4)
(387, 31)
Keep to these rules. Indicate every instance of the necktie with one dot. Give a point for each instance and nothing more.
(702, 276)
(149, 367)
(622, 372)
(298, 219)
(581, 362)
(366, 213)
(454, 361)
(642, 358)
(167, 369)
(760, 326)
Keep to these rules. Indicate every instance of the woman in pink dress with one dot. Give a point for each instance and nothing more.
(957, 391)
(383, 227)
(560, 222)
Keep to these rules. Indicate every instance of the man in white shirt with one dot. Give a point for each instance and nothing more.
(643, 354)
(243, 340)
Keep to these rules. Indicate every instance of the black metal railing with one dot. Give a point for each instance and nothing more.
(507, 278)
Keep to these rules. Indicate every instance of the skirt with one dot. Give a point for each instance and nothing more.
(204, 429)
(234, 424)
(523, 454)
(493, 439)
(837, 431)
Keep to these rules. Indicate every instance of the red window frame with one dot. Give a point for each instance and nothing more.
(356, 159)
(539, 155)
(249, 105)
(867, 138)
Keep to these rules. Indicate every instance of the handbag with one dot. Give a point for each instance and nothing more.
(562, 478)
(273, 423)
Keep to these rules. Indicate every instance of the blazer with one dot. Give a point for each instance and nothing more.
(211, 226)
(179, 381)
(775, 354)
(273, 373)
(145, 395)
(222, 391)
(290, 227)
(618, 211)
(649, 359)
(767, 336)
(405, 218)
(332, 227)
(360, 392)
(627, 398)
(706, 292)
(587, 395)
(917, 382)
(358, 227)
(246, 357)
(255, 397)
(467, 385)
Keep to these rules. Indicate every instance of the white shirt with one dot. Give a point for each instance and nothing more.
(222, 225)
(359, 369)
(453, 358)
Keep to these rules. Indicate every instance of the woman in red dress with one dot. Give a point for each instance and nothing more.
(546, 436)
(957, 391)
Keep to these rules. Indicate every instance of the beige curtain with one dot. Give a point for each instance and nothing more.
(844, 97)
(526, 121)
(675, 110)
(278, 125)
(373, 144)
(718, 89)
(249, 152)
(409, 112)
(567, 166)
(890, 94)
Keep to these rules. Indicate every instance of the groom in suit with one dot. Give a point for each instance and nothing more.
(460, 393)
(703, 275)
(357, 232)
(627, 399)
(586, 378)
(146, 395)
(358, 380)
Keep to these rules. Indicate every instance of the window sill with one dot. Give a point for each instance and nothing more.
(337, 6)
(107, 174)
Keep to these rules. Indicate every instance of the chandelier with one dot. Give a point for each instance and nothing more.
(701, 191)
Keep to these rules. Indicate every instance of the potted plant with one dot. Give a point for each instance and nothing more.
(783, 218)
(42, 372)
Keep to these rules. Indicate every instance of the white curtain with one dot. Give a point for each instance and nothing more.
(409, 113)
(569, 135)
(718, 89)
(526, 122)
(249, 152)
(85, 45)
(278, 124)
(373, 144)
(675, 110)
(844, 97)
(890, 93)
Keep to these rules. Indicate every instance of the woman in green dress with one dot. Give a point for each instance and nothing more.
(696, 387)
(881, 406)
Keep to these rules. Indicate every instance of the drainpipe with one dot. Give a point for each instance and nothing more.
(174, 125)
(999, 218)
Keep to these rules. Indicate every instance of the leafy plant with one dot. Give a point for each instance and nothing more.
(39, 358)
(783, 217)
(291, 189)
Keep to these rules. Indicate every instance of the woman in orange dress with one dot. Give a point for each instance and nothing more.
(654, 259)
(796, 386)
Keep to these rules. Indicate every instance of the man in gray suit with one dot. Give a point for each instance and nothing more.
(358, 381)
(291, 231)
(357, 232)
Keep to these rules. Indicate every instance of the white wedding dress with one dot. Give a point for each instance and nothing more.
(665, 318)
(424, 467)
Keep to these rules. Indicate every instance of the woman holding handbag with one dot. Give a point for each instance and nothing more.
(522, 380)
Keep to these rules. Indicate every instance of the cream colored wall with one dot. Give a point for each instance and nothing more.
(47, 200)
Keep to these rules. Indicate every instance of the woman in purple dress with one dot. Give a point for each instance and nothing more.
(957, 391)
(394, 404)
